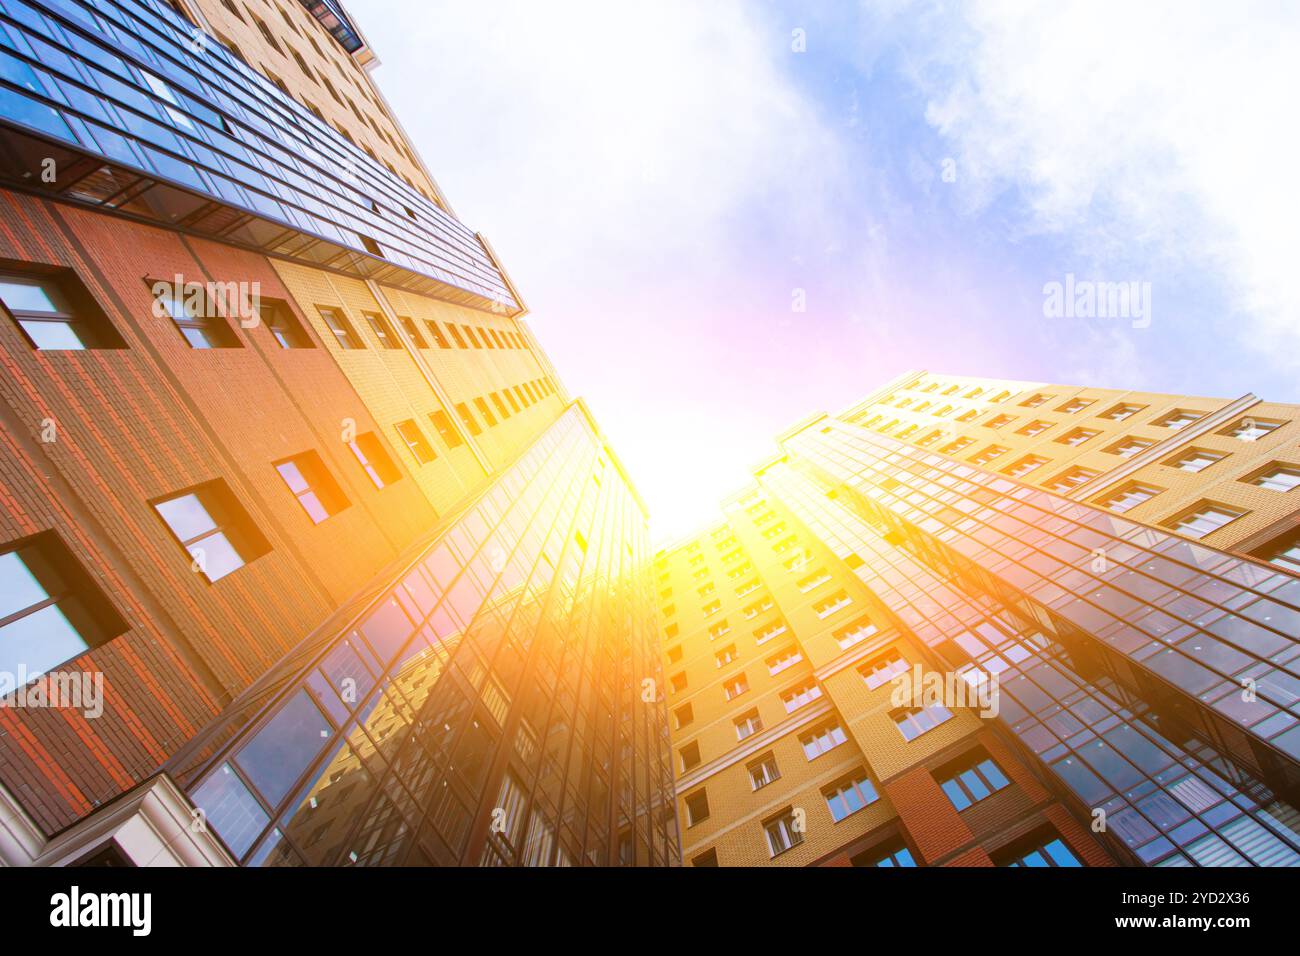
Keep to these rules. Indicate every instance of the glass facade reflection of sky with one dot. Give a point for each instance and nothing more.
(159, 105)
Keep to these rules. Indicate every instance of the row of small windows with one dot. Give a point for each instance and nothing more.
(55, 312)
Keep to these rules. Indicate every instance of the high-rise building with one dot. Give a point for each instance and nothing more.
(306, 556)
(974, 622)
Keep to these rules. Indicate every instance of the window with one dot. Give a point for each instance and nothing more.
(678, 682)
(748, 724)
(463, 411)
(313, 485)
(1121, 411)
(1178, 419)
(1071, 478)
(1078, 436)
(209, 522)
(473, 339)
(817, 578)
(828, 606)
(800, 694)
(415, 442)
(912, 722)
(455, 334)
(383, 331)
(502, 411)
(1129, 497)
(697, 808)
(1284, 552)
(883, 668)
(1204, 519)
(713, 607)
(374, 459)
(970, 778)
(999, 421)
(1034, 428)
(707, 858)
(1042, 848)
(51, 610)
(1034, 401)
(824, 738)
(726, 655)
(1128, 447)
(1195, 459)
(955, 446)
(486, 412)
(1251, 429)
(412, 331)
(341, 328)
(53, 310)
(762, 771)
(850, 795)
(283, 325)
(674, 654)
(684, 715)
(436, 334)
(690, 755)
(987, 455)
(769, 631)
(1024, 466)
(1074, 405)
(781, 833)
(854, 633)
(445, 429)
(735, 687)
(891, 853)
(783, 659)
(719, 630)
(1276, 477)
(194, 314)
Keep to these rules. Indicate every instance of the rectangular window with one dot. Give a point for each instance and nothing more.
(684, 715)
(313, 485)
(486, 412)
(821, 740)
(850, 795)
(1128, 447)
(697, 808)
(781, 833)
(383, 331)
(54, 311)
(719, 630)
(912, 722)
(814, 580)
(1178, 419)
(763, 771)
(783, 659)
(374, 459)
(194, 314)
(998, 421)
(1195, 459)
(514, 403)
(412, 331)
(463, 411)
(455, 334)
(51, 610)
(279, 318)
(882, 669)
(1074, 405)
(1251, 429)
(800, 695)
(892, 853)
(955, 446)
(1078, 436)
(1284, 552)
(1034, 401)
(415, 442)
(828, 606)
(690, 756)
(854, 633)
(1070, 478)
(987, 455)
(469, 334)
(436, 334)
(210, 523)
(1121, 411)
(748, 724)
(1129, 497)
(1205, 519)
(446, 431)
(340, 328)
(1024, 466)
(970, 778)
(1042, 848)
(735, 687)
(502, 411)
(1034, 428)
(1276, 477)
(726, 655)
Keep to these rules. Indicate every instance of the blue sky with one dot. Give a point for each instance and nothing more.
(661, 181)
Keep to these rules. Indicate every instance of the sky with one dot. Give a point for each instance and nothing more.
(726, 215)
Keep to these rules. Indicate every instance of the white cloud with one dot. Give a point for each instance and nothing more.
(1156, 133)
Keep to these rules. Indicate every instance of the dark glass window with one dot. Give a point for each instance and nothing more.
(415, 441)
(340, 327)
(284, 325)
(463, 411)
(210, 523)
(383, 331)
(313, 485)
(412, 332)
(486, 412)
(970, 778)
(891, 853)
(195, 314)
(378, 464)
(281, 751)
(445, 429)
(437, 335)
(1042, 848)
